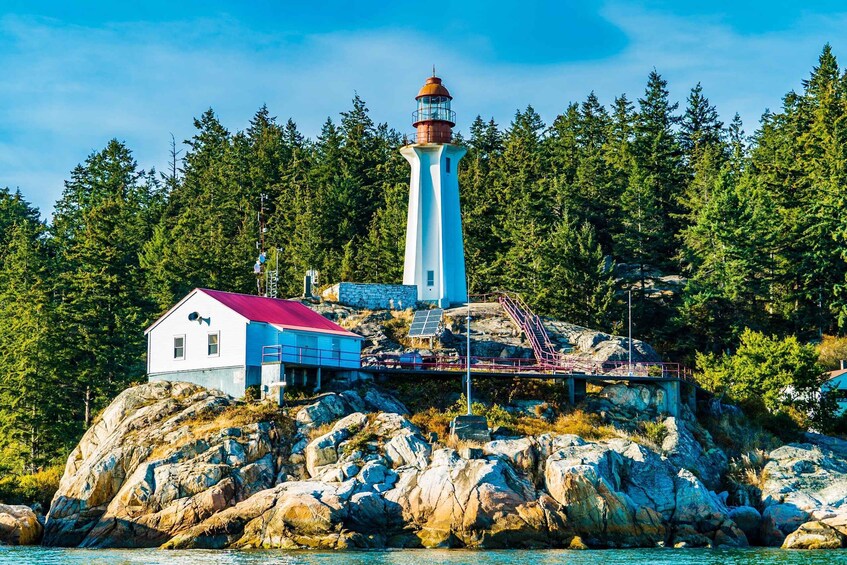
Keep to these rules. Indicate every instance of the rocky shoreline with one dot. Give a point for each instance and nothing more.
(174, 465)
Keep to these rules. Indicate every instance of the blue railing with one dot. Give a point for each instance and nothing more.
(311, 356)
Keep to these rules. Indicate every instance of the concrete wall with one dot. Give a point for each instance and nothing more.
(374, 296)
(231, 380)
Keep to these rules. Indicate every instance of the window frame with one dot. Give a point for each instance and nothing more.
(217, 352)
(430, 278)
(447, 163)
(182, 357)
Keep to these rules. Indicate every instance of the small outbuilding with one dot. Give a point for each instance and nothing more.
(231, 341)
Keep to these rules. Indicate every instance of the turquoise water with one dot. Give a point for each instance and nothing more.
(51, 556)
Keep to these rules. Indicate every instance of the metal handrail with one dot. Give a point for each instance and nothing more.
(567, 365)
(440, 115)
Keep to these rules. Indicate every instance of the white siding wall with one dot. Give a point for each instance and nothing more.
(232, 344)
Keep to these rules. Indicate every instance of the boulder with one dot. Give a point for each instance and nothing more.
(585, 480)
(784, 517)
(473, 503)
(327, 408)
(19, 525)
(379, 401)
(814, 535)
(303, 514)
(748, 520)
(705, 512)
(522, 453)
(408, 448)
(810, 477)
(323, 450)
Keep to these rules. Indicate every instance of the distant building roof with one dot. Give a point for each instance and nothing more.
(838, 373)
(282, 314)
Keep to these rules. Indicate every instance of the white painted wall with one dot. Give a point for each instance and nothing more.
(232, 344)
(434, 224)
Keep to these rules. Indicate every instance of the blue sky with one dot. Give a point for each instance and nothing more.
(75, 74)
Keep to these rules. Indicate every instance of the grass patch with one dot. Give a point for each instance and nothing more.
(236, 415)
(576, 422)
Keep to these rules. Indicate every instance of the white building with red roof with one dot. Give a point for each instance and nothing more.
(231, 341)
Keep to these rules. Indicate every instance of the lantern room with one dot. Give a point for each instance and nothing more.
(434, 120)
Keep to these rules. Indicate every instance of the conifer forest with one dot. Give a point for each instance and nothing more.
(744, 222)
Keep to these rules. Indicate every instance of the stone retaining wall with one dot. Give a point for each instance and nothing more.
(373, 296)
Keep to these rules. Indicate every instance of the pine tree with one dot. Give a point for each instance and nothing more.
(35, 420)
(99, 228)
(578, 283)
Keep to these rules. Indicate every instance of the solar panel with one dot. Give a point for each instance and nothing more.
(426, 323)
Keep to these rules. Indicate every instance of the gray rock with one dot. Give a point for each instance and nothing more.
(324, 450)
(748, 520)
(684, 451)
(408, 448)
(325, 409)
(19, 525)
(785, 517)
(814, 535)
(380, 401)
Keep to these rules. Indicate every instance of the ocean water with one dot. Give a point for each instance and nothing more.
(51, 556)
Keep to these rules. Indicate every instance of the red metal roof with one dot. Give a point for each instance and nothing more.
(286, 314)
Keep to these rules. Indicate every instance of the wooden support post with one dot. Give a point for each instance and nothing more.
(318, 387)
(571, 391)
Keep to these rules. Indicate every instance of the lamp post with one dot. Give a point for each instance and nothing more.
(468, 347)
(630, 331)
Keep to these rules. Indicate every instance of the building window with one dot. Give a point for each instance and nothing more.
(448, 164)
(179, 347)
(336, 349)
(213, 348)
(430, 278)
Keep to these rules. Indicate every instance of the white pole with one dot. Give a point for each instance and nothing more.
(468, 347)
(630, 332)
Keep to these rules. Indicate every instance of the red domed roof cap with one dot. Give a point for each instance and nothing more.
(433, 87)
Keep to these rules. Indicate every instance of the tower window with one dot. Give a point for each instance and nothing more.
(430, 278)
(448, 164)
(179, 347)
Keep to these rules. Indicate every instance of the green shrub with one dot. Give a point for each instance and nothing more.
(656, 432)
(38, 487)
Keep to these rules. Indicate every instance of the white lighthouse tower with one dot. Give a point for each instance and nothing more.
(435, 254)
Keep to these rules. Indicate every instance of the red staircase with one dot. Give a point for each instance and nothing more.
(545, 352)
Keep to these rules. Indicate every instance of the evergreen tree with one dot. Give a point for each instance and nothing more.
(99, 227)
(34, 395)
(578, 284)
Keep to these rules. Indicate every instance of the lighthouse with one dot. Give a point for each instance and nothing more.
(435, 254)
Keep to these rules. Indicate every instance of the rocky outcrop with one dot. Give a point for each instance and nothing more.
(158, 461)
(175, 465)
(804, 481)
(19, 525)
